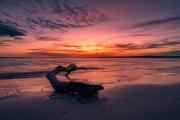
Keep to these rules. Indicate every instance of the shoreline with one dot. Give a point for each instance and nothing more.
(127, 102)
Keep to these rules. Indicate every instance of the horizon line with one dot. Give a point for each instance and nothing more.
(101, 57)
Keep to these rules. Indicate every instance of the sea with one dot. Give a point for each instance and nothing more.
(27, 75)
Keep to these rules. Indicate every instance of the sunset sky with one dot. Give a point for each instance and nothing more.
(89, 28)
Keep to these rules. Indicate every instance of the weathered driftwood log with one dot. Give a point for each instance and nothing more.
(72, 87)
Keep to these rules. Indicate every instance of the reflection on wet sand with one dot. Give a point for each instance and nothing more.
(108, 72)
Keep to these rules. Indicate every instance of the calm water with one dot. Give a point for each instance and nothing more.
(21, 75)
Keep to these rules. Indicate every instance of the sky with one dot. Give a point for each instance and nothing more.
(89, 28)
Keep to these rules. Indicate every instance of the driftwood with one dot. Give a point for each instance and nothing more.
(71, 87)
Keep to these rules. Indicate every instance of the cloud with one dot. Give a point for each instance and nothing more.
(7, 30)
(167, 53)
(137, 35)
(175, 19)
(66, 45)
(11, 41)
(129, 46)
(57, 49)
(18, 38)
(61, 15)
(46, 38)
(37, 53)
(3, 44)
(162, 43)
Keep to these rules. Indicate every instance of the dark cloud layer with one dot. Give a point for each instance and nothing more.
(37, 53)
(3, 44)
(66, 45)
(162, 43)
(46, 38)
(167, 53)
(42, 15)
(7, 30)
(11, 41)
(156, 22)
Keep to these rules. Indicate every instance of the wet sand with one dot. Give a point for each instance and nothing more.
(123, 102)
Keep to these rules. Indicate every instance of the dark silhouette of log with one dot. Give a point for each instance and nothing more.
(71, 87)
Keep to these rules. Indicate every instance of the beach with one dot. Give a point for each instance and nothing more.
(89, 59)
(146, 91)
(128, 102)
